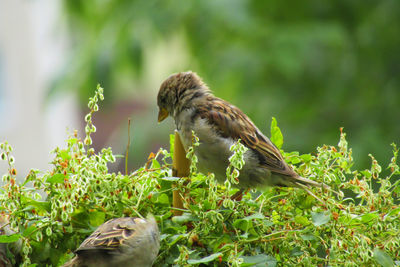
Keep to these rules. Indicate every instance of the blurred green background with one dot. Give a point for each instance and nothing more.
(314, 65)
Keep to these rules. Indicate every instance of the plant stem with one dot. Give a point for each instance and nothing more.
(180, 168)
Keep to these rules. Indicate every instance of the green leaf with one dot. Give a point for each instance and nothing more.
(29, 230)
(155, 164)
(210, 258)
(295, 160)
(308, 237)
(9, 238)
(65, 155)
(343, 164)
(186, 217)
(301, 220)
(72, 141)
(254, 216)
(308, 202)
(57, 178)
(171, 143)
(245, 223)
(306, 157)
(260, 260)
(383, 258)
(320, 218)
(296, 252)
(267, 223)
(163, 199)
(394, 212)
(276, 134)
(223, 243)
(171, 179)
(246, 226)
(176, 238)
(368, 217)
(366, 173)
(242, 224)
(39, 205)
(96, 218)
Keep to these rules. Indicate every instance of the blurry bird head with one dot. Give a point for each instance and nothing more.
(178, 90)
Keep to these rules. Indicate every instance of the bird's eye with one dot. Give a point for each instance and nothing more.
(163, 100)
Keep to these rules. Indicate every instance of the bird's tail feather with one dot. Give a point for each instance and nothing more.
(306, 184)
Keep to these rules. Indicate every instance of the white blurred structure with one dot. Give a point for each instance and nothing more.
(33, 47)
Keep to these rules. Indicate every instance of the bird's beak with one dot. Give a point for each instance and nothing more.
(162, 114)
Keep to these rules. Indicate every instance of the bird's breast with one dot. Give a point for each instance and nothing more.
(213, 152)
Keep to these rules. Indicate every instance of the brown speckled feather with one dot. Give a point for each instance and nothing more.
(111, 234)
(229, 121)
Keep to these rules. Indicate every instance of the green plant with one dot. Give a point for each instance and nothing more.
(53, 212)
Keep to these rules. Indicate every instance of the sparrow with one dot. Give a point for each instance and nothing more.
(119, 242)
(218, 125)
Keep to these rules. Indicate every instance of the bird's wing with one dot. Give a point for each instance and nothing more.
(230, 122)
(112, 234)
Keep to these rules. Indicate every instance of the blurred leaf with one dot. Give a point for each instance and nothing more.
(260, 260)
(242, 224)
(186, 217)
(302, 220)
(176, 238)
(308, 237)
(171, 143)
(306, 157)
(320, 218)
(163, 199)
(155, 164)
(276, 134)
(39, 205)
(57, 178)
(9, 238)
(29, 230)
(245, 224)
(295, 160)
(254, 216)
(65, 155)
(296, 252)
(393, 212)
(96, 218)
(383, 258)
(210, 258)
(365, 218)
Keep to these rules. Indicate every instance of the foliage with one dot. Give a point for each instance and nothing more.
(281, 226)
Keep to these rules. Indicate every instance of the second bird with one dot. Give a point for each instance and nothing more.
(218, 125)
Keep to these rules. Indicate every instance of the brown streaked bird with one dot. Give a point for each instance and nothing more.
(218, 125)
(119, 242)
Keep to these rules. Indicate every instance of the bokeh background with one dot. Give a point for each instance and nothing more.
(314, 65)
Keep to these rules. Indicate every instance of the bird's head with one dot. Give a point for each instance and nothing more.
(176, 91)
